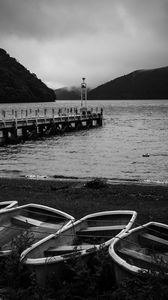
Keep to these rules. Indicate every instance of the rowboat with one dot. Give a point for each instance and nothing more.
(141, 249)
(83, 237)
(38, 221)
(8, 204)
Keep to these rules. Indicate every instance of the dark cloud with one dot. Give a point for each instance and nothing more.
(62, 18)
(48, 19)
(151, 15)
(61, 40)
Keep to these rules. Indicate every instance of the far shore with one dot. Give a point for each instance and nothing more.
(78, 199)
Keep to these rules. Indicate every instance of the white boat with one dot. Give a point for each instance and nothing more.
(141, 249)
(37, 220)
(83, 237)
(8, 204)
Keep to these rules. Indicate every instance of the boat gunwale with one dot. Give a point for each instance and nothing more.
(47, 208)
(10, 204)
(64, 257)
(5, 212)
(122, 263)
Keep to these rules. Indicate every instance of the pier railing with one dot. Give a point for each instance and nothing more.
(37, 113)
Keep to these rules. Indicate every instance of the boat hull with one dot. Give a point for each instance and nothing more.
(81, 239)
(34, 220)
(142, 249)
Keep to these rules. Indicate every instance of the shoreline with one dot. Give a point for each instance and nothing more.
(78, 198)
(111, 181)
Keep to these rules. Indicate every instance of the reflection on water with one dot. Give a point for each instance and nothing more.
(115, 151)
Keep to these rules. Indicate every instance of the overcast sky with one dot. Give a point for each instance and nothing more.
(64, 40)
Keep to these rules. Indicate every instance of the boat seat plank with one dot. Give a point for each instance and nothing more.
(135, 254)
(67, 249)
(154, 238)
(22, 221)
(51, 225)
(25, 221)
(42, 230)
(153, 260)
(101, 228)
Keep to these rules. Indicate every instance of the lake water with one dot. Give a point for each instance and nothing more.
(114, 151)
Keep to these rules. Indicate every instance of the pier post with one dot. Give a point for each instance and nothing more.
(41, 129)
(45, 113)
(5, 136)
(13, 133)
(13, 114)
(36, 115)
(3, 112)
(24, 133)
(65, 125)
(53, 113)
(78, 124)
(89, 123)
(100, 120)
(33, 133)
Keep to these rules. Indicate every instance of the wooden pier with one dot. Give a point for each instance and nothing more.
(24, 124)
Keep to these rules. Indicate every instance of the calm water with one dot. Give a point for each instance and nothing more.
(115, 151)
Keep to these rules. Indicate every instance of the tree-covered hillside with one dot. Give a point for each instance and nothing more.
(72, 93)
(141, 84)
(17, 84)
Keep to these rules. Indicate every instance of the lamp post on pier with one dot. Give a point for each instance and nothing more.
(83, 93)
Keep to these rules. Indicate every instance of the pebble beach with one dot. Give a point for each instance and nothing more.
(80, 198)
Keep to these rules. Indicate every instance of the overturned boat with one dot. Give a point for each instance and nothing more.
(142, 249)
(93, 232)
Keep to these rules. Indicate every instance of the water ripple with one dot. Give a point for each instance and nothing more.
(115, 151)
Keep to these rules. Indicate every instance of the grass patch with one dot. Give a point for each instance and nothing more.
(84, 279)
(97, 183)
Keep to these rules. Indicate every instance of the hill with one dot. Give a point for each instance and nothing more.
(17, 84)
(65, 93)
(140, 84)
(69, 93)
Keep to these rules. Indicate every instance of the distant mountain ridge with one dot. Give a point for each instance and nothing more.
(72, 93)
(17, 84)
(140, 84)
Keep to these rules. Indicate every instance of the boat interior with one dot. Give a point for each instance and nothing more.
(35, 216)
(87, 235)
(36, 221)
(145, 248)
